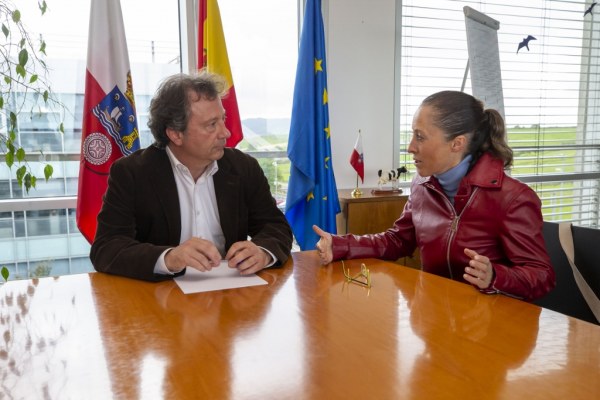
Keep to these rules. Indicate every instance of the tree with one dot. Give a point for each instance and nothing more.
(23, 87)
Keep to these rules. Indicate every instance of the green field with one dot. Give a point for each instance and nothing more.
(558, 198)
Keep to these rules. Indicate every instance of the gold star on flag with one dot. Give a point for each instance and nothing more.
(327, 162)
(327, 133)
(310, 196)
(324, 96)
(318, 66)
(325, 198)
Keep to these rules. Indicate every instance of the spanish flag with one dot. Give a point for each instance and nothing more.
(212, 55)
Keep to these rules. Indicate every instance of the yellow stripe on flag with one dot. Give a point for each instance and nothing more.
(217, 60)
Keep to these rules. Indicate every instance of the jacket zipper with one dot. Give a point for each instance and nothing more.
(454, 224)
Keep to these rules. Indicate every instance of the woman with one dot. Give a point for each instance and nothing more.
(471, 221)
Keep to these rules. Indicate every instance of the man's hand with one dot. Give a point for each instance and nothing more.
(196, 253)
(247, 257)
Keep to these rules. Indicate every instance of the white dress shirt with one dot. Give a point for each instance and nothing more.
(198, 209)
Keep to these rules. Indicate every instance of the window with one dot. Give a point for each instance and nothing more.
(43, 239)
(262, 42)
(550, 91)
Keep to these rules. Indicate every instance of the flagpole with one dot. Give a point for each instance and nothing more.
(356, 192)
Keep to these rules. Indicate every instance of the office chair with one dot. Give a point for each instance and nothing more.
(587, 255)
(566, 298)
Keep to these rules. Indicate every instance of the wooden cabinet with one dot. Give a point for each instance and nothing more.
(371, 213)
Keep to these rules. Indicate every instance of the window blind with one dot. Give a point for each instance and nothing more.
(551, 90)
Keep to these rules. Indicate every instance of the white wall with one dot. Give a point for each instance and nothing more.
(360, 72)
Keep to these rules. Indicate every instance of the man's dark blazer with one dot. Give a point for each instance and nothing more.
(140, 216)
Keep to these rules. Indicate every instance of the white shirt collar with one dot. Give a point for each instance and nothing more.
(211, 169)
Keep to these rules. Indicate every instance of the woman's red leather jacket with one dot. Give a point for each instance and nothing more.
(493, 214)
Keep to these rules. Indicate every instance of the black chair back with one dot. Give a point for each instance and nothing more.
(587, 255)
(566, 298)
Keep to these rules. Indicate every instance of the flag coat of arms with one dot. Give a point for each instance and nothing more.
(312, 197)
(109, 128)
(212, 55)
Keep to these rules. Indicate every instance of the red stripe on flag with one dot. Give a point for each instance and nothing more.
(357, 159)
(201, 40)
(92, 183)
(212, 55)
(357, 163)
(233, 122)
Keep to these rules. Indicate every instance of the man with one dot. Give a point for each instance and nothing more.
(187, 201)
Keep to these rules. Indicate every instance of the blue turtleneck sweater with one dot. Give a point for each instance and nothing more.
(450, 179)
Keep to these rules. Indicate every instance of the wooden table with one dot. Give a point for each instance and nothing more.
(308, 334)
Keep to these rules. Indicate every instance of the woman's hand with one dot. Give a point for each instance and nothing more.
(324, 245)
(479, 272)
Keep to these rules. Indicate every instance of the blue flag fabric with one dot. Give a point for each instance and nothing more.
(312, 194)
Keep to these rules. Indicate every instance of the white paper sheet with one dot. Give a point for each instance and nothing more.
(219, 278)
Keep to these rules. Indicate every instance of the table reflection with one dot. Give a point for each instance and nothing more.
(50, 346)
(467, 348)
(191, 337)
(349, 329)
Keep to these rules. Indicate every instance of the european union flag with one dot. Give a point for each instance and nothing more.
(312, 194)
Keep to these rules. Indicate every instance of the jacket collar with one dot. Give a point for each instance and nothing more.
(488, 172)
(227, 189)
(163, 183)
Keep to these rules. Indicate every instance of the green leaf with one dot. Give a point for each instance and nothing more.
(32, 179)
(33, 78)
(16, 16)
(61, 127)
(12, 135)
(20, 70)
(20, 174)
(48, 171)
(5, 273)
(1, 102)
(10, 147)
(46, 94)
(43, 47)
(7, 79)
(43, 6)
(22, 43)
(9, 159)
(20, 154)
(13, 119)
(23, 57)
(27, 182)
(5, 30)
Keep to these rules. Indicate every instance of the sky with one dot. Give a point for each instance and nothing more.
(261, 37)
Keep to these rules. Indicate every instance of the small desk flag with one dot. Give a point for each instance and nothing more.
(212, 55)
(109, 129)
(312, 194)
(356, 158)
